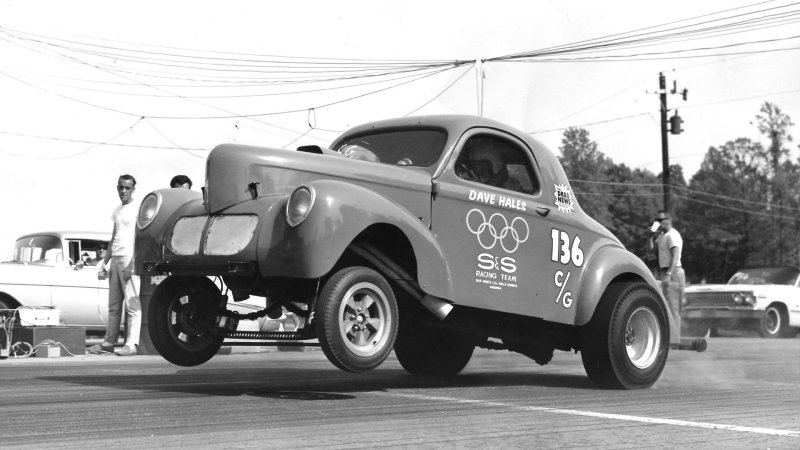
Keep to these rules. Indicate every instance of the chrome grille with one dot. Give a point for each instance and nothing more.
(710, 299)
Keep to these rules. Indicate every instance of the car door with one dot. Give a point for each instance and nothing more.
(499, 235)
(77, 293)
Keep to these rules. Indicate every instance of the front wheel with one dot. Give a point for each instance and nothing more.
(775, 323)
(625, 345)
(182, 320)
(356, 317)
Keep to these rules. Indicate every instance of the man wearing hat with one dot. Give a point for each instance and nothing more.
(669, 244)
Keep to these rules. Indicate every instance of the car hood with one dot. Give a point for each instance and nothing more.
(700, 288)
(238, 173)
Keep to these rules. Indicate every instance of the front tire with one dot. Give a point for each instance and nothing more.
(182, 317)
(775, 323)
(432, 351)
(356, 317)
(626, 343)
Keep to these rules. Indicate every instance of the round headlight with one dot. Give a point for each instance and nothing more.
(750, 299)
(299, 205)
(148, 210)
(738, 298)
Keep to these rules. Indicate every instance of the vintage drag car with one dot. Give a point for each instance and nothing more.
(766, 299)
(430, 235)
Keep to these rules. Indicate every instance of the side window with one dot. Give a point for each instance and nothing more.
(494, 161)
(74, 252)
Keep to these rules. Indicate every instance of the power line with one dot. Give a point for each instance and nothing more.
(683, 188)
(590, 123)
(747, 211)
(99, 143)
(606, 43)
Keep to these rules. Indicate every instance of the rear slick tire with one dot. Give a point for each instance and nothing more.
(626, 343)
(433, 352)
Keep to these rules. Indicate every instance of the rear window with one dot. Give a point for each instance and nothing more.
(43, 249)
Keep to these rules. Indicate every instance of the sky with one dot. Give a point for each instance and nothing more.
(94, 89)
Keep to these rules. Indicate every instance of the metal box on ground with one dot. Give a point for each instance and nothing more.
(73, 339)
(38, 317)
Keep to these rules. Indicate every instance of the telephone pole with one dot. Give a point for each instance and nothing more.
(674, 128)
(662, 96)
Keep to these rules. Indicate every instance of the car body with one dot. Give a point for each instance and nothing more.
(58, 269)
(432, 235)
(54, 269)
(766, 299)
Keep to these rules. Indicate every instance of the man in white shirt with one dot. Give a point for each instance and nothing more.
(670, 245)
(123, 286)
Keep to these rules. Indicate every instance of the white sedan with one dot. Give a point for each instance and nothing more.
(766, 299)
(59, 270)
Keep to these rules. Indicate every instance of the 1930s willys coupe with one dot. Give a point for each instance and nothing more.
(430, 235)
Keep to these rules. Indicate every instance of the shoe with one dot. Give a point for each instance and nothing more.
(101, 349)
(127, 351)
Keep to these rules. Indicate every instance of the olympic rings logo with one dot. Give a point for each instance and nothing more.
(497, 229)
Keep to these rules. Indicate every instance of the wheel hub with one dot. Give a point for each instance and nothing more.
(630, 335)
(364, 317)
(642, 338)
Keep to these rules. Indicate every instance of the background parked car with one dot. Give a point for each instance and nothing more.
(766, 299)
(59, 269)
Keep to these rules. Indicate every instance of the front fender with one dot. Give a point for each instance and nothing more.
(608, 264)
(151, 240)
(340, 213)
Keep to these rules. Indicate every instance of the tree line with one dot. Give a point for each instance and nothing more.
(741, 209)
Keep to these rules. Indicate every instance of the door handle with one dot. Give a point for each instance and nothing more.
(542, 211)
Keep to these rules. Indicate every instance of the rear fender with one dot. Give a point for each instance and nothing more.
(610, 264)
(341, 212)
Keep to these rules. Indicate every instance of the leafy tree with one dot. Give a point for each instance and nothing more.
(718, 224)
(585, 166)
(742, 204)
(774, 124)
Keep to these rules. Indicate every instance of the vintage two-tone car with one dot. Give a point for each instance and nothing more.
(54, 269)
(430, 235)
(58, 269)
(766, 299)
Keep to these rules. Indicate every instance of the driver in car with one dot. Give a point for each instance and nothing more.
(485, 165)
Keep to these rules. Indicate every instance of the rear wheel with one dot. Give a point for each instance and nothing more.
(775, 323)
(356, 317)
(182, 319)
(625, 345)
(432, 351)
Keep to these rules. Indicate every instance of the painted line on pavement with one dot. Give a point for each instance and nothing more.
(575, 412)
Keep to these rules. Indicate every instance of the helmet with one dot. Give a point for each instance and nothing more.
(486, 154)
(488, 165)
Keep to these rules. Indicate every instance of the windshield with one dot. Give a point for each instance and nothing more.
(417, 147)
(771, 275)
(43, 249)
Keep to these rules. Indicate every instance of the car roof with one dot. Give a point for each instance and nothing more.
(456, 125)
(94, 235)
